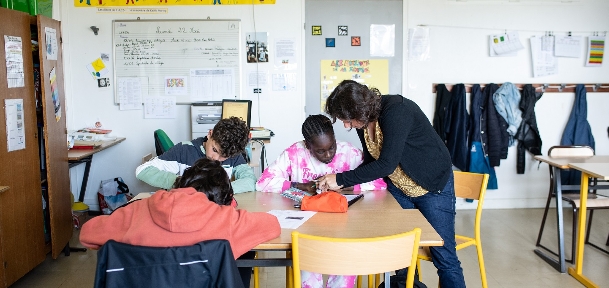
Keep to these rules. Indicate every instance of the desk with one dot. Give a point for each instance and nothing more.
(598, 170)
(375, 215)
(557, 164)
(79, 156)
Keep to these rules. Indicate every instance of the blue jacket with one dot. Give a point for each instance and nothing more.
(507, 103)
(577, 131)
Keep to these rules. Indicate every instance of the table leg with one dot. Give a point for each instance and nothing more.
(581, 232)
(560, 263)
(85, 178)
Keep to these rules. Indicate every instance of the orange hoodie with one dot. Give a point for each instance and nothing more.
(180, 217)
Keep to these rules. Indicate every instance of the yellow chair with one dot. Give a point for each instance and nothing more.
(355, 256)
(469, 186)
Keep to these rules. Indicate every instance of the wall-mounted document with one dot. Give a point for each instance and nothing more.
(596, 51)
(544, 62)
(382, 40)
(129, 92)
(568, 46)
(506, 43)
(160, 107)
(15, 129)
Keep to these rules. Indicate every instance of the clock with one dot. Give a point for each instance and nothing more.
(356, 41)
(343, 30)
(316, 30)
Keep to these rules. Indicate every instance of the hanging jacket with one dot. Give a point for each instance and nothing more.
(496, 136)
(577, 132)
(439, 118)
(507, 102)
(456, 132)
(478, 158)
(528, 135)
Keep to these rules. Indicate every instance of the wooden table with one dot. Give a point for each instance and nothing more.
(599, 170)
(557, 164)
(79, 156)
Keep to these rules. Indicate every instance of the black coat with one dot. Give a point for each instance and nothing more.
(439, 117)
(528, 133)
(496, 138)
(208, 264)
(457, 129)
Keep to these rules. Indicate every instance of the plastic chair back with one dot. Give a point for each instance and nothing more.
(162, 142)
(354, 256)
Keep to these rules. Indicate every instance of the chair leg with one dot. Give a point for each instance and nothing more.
(545, 216)
(358, 282)
(421, 274)
(481, 264)
(256, 274)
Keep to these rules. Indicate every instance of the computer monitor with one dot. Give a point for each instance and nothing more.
(239, 108)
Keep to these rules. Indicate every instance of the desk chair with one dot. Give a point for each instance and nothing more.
(356, 256)
(206, 264)
(467, 186)
(594, 201)
(162, 142)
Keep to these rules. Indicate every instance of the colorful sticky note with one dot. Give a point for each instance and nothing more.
(98, 64)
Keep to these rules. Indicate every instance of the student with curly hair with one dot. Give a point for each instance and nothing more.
(401, 146)
(197, 209)
(225, 143)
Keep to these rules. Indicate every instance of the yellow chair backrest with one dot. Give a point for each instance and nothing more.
(354, 256)
(470, 185)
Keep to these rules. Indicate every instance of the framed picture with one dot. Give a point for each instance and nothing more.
(356, 41)
(343, 30)
(316, 30)
(330, 42)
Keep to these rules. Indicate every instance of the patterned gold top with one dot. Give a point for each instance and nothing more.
(398, 177)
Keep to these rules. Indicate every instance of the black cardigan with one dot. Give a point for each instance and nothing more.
(410, 141)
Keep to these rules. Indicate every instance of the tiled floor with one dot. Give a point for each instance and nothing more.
(508, 243)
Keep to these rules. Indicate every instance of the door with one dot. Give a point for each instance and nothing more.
(21, 218)
(357, 18)
(55, 133)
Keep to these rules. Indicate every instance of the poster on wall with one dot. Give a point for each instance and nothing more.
(15, 129)
(257, 47)
(596, 50)
(372, 73)
(285, 53)
(55, 94)
(382, 40)
(14, 61)
(50, 45)
(112, 3)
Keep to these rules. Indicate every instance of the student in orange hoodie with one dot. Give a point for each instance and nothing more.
(183, 217)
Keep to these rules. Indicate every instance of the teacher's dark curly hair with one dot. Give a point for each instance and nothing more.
(353, 101)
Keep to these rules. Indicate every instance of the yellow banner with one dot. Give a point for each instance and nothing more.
(372, 73)
(108, 3)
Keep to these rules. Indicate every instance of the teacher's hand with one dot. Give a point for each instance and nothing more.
(328, 182)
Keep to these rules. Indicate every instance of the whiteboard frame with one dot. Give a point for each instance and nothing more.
(146, 93)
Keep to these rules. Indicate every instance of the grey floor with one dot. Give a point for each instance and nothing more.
(508, 240)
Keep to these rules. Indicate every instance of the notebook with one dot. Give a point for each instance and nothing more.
(295, 194)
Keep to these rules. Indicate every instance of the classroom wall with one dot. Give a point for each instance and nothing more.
(86, 103)
(459, 54)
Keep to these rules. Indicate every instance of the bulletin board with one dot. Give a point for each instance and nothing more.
(193, 60)
(372, 73)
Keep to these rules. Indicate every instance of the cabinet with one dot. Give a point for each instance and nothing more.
(22, 239)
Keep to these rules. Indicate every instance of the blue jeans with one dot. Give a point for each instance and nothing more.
(439, 210)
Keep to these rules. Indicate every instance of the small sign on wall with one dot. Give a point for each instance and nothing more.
(316, 30)
(356, 41)
(330, 42)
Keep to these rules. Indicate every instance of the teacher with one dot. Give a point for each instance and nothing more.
(401, 146)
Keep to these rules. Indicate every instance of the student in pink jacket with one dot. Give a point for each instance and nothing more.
(198, 209)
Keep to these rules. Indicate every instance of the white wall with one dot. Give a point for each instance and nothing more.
(282, 112)
(458, 55)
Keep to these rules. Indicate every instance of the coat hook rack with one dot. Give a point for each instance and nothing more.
(542, 87)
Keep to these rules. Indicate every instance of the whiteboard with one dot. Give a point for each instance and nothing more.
(193, 60)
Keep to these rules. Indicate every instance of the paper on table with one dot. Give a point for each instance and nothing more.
(291, 219)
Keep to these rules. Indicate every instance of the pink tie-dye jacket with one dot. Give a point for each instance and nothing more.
(296, 164)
